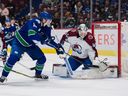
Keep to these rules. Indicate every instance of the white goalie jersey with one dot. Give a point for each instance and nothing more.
(81, 47)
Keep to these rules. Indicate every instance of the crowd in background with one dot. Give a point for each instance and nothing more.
(75, 12)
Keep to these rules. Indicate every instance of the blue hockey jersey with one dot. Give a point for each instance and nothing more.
(33, 31)
(9, 33)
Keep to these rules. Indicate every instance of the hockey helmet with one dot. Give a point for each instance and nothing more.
(45, 15)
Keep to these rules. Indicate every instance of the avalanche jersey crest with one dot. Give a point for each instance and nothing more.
(77, 48)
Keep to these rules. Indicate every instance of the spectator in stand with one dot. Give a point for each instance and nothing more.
(103, 10)
(2, 20)
(69, 21)
(4, 11)
(86, 6)
(87, 20)
(11, 6)
(56, 20)
(14, 23)
(77, 9)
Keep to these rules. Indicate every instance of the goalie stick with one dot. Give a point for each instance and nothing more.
(70, 71)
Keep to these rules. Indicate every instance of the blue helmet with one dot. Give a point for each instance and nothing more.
(45, 15)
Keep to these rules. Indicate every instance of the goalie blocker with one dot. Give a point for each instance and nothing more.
(92, 73)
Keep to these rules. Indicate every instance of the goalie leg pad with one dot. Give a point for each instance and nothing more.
(95, 73)
(92, 73)
(59, 70)
(73, 63)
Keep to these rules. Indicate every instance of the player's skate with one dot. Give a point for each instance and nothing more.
(2, 79)
(41, 77)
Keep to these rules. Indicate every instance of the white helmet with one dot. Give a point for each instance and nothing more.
(82, 30)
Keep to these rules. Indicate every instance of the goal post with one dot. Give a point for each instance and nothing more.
(124, 48)
(108, 42)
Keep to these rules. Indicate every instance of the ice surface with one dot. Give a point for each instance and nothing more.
(22, 86)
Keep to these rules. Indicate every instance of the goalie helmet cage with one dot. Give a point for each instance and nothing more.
(108, 41)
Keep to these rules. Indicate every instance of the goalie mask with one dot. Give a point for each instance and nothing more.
(82, 30)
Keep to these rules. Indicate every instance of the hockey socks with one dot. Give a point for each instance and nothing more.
(39, 68)
(7, 69)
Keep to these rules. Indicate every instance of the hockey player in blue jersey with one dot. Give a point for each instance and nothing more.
(33, 31)
(9, 31)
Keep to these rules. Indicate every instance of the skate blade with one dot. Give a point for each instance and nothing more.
(1, 83)
(40, 79)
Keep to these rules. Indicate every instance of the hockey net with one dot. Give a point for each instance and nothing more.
(111, 42)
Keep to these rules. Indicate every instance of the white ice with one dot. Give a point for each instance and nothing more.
(17, 85)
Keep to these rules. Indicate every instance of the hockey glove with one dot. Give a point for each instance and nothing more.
(61, 52)
(60, 49)
(3, 53)
(103, 64)
(62, 56)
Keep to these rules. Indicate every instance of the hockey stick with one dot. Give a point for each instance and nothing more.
(69, 69)
(20, 73)
(68, 66)
(32, 68)
(105, 59)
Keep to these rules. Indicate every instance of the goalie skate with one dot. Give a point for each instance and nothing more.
(41, 77)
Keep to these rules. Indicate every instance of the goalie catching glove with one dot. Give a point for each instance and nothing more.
(103, 64)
